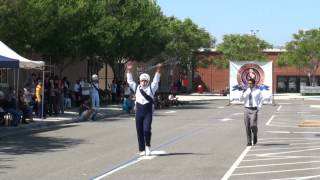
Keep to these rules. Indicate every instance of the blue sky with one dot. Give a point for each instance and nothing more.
(273, 20)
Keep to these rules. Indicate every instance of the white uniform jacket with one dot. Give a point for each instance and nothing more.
(149, 90)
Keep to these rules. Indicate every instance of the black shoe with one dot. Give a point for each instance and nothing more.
(255, 140)
(249, 144)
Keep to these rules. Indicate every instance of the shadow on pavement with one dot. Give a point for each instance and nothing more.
(31, 142)
(179, 154)
(4, 167)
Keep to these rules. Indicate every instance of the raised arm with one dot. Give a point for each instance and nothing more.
(130, 81)
(156, 78)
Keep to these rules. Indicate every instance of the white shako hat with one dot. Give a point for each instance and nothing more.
(94, 77)
(144, 76)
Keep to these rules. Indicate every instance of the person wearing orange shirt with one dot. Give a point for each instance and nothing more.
(39, 98)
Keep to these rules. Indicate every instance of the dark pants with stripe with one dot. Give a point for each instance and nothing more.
(251, 121)
(143, 124)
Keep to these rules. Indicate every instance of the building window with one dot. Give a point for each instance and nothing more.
(293, 84)
(289, 84)
(281, 84)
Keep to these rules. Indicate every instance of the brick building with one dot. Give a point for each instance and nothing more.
(285, 79)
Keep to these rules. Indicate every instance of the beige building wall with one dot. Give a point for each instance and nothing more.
(106, 76)
(79, 70)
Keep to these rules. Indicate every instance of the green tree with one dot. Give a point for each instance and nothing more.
(303, 51)
(112, 31)
(60, 26)
(184, 39)
(15, 29)
(52, 27)
(241, 48)
(125, 30)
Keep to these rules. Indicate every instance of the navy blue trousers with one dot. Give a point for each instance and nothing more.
(143, 124)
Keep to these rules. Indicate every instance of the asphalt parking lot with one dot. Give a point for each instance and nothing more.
(203, 139)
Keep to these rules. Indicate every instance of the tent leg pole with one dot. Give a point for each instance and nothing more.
(18, 79)
(14, 80)
(42, 97)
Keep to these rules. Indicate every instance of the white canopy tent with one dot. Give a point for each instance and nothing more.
(23, 62)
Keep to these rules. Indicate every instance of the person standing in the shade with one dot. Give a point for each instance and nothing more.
(144, 106)
(253, 101)
(94, 93)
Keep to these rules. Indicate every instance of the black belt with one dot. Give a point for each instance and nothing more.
(252, 108)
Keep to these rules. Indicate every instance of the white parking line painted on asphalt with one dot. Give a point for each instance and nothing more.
(287, 152)
(278, 132)
(314, 106)
(269, 121)
(272, 149)
(279, 108)
(262, 139)
(225, 119)
(169, 112)
(129, 163)
(279, 164)
(268, 172)
(304, 112)
(275, 158)
(275, 125)
(293, 144)
(280, 120)
(117, 169)
(286, 112)
(280, 141)
(283, 123)
(299, 178)
(311, 115)
(236, 164)
(293, 132)
(220, 107)
(306, 132)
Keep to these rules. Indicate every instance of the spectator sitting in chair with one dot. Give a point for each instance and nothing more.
(173, 100)
(2, 112)
(9, 106)
(25, 107)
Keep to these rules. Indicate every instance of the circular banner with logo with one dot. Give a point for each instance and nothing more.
(250, 71)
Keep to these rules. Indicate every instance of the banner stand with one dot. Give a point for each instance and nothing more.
(229, 102)
(273, 76)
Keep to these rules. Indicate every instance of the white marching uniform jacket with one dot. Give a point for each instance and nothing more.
(149, 90)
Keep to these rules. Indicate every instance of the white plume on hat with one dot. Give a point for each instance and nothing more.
(94, 77)
(144, 76)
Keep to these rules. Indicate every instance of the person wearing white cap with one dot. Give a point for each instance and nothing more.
(94, 92)
(144, 106)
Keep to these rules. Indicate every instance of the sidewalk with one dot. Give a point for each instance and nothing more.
(69, 116)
